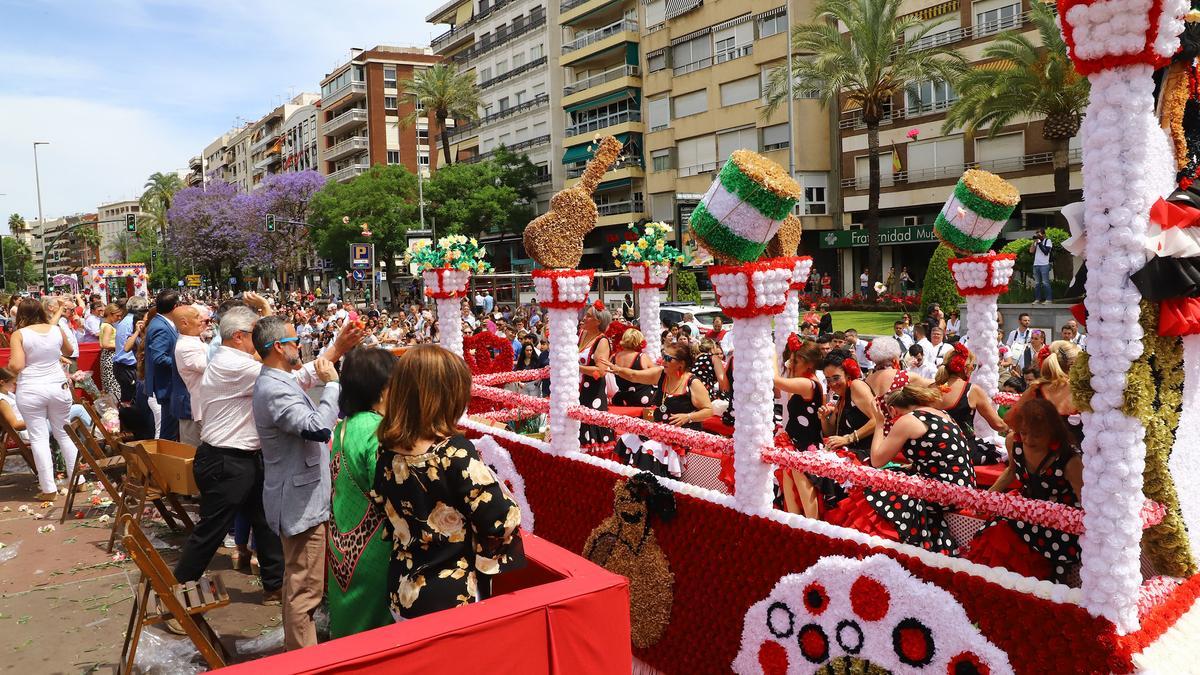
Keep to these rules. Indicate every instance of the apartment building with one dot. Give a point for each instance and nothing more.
(195, 174)
(112, 227)
(920, 163)
(300, 137)
(267, 137)
(217, 158)
(704, 71)
(71, 252)
(362, 108)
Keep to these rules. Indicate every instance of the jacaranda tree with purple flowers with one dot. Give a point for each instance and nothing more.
(287, 196)
(208, 227)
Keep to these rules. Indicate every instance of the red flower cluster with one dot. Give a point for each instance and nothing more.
(486, 352)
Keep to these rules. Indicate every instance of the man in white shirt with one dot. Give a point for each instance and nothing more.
(935, 349)
(1018, 339)
(858, 348)
(92, 323)
(905, 341)
(191, 358)
(479, 303)
(1041, 248)
(228, 464)
(1070, 333)
(690, 320)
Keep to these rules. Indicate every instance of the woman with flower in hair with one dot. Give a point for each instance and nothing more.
(1041, 457)
(962, 399)
(888, 375)
(802, 422)
(933, 447)
(1054, 363)
(846, 421)
(594, 350)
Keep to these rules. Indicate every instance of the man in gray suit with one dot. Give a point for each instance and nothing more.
(296, 484)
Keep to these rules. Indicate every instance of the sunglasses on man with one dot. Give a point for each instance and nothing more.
(281, 341)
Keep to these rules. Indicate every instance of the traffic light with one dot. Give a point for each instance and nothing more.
(153, 256)
(270, 223)
(130, 222)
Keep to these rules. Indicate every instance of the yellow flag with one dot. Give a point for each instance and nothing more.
(896, 166)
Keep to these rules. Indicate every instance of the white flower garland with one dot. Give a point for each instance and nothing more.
(498, 458)
(787, 322)
(846, 607)
(564, 379)
(753, 398)
(1126, 160)
(449, 313)
(649, 302)
(981, 335)
(1185, 455)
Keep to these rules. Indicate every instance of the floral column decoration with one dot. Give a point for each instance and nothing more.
(446, 269)
(787, 322)
(648, 260)
(735, 220)
(1127, 166)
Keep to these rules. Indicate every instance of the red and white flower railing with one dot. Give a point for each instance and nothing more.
(448, 286)
(648, 281)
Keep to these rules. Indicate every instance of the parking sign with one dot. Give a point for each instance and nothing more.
(360, 256)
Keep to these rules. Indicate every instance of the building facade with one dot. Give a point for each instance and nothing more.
(705, 69)
(920, 162)
(268, 138)
(363, 114)
(113, 230)
(301, 150)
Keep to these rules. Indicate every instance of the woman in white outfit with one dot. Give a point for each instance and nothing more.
(43, 399)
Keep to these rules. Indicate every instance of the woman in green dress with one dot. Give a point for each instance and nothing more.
(357, 553)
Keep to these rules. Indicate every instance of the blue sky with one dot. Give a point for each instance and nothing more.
(123, 88)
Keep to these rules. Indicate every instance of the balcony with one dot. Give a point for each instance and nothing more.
(515, 147)
(708, 62)
(273, 155)
(349, 146)
(452, 37)
(589, 37)
(623, 70)
(343, 175)
(697, 169)
(537, 102)
(484, 46)
(953, 171)
(636, 205)
(853, 119)
(485, 10)
(599, 123)
(351, 118)
(350, 89)
(954, 35)
(268, 138)
(626, 162)
(195, 164)
(536, 63)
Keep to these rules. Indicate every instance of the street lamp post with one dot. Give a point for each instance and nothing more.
(37, 177)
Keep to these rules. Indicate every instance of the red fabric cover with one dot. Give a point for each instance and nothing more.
(986, 476)
(1000, 546)
(1179, 316)
(854, 512)
(712, 425)
(550, 627)
(89, 359)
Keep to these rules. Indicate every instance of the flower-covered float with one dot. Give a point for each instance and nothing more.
(130, 276)
(648, 259)
(756, 590)
(446, 269)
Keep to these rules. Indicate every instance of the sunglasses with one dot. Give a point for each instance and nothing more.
(667, 358)
(281, 341)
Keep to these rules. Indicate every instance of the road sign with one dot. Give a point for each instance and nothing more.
(193, 280)
(359, 275)
(360, 256)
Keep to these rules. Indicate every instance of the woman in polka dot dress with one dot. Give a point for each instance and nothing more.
(804, 398)
(1041, 456)
(935, 448)
(630, 355)
(594, 347)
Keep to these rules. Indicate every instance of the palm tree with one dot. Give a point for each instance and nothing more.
(868, 65)
(1026, 80)
(15, 223)
(160, 189)
(448, 93)
(124, 246)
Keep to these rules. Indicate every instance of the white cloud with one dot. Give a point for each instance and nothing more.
(98, 152)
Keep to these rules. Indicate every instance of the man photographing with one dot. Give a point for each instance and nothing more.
(1041, 248)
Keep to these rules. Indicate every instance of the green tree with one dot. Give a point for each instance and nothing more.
(385, 197)
(1022, 80)
(19, 271)
(939, 282)
(15, 223)
(869, 66)
(123, 247)
(492, 196)
(448, 94)
(159, 192)
(686, 287)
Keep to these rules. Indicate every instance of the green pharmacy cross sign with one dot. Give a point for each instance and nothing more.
(918, 234)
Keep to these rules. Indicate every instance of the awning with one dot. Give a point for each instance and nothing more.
(583, 151)
(612, 97)
(614, 184)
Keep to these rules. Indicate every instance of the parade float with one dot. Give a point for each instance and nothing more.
(102, 280)
(446, 269)
(724, 582)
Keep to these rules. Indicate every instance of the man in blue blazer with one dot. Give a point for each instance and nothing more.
(161, 336)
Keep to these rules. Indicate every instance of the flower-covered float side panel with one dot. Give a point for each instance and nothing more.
(724, 562)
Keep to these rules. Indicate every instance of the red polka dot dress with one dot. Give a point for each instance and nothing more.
(942, 453)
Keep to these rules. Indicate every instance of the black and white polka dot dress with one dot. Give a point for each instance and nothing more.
(592, 393)
(630, 393)
(704, 371)
(803, 426)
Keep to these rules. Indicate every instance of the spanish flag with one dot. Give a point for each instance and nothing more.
(896, 166)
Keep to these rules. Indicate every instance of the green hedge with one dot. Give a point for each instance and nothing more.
(686, 288)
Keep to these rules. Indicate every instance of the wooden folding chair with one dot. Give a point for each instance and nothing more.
(144, 484)
(160, 597)
(11, 440)
(107, 470)
(111, 441)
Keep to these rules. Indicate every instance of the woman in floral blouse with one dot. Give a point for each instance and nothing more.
(451, 523)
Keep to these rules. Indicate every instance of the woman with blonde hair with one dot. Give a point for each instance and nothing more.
(630, 355)
(962, 399)
(451, 523)
(38, 346)
(1054, 363)
(933, 447)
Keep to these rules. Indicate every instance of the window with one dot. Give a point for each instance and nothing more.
(816, 187)
(656, 61)
(503, 103)
(690, 104)
(1002, 153)
(994, 16)
(937, 158)
(775, 137)
(485, 74)
(518, 60)
(946, 32)
(518, 97)
(521, 134)
(733, 41)
(393, 156)
(862, 172)
(389, 76)
(656, 12)
(739, 91)
(913, 221)
(659, 112)
(662, 160)
(692, 55)
(389, 102)
(696, 155)
(504, 139)
(501, 67)
(772, 25)
(423, 160)
(539, 130)
(536, 52)
(738, 139)
(423, 133)
(929, 96)
(539, 88)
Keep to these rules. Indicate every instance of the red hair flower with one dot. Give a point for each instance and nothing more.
(957, 363)
(1042, 354)
(599, 306)
(852, 370)
(794, 343)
